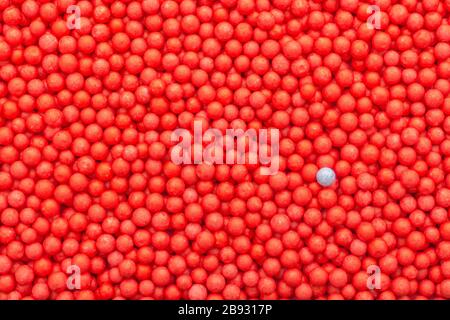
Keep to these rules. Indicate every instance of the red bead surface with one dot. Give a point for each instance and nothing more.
(91, 91)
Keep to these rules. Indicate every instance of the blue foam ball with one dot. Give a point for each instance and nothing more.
(325, 177)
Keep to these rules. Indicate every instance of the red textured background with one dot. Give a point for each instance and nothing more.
(86, 177)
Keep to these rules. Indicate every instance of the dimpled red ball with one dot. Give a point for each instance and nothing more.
(93, 207)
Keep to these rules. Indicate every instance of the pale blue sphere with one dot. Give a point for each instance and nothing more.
(325, 177)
